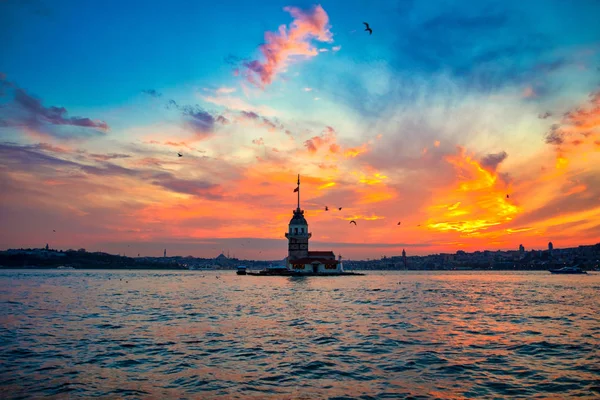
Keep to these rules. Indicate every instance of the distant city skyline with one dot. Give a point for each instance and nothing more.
(233, 255)
(455, 126)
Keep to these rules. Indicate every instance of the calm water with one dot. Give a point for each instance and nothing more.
(159, 334)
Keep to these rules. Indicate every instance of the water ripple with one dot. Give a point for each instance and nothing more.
(148, 334)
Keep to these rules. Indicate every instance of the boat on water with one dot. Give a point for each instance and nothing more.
(568, 270)
(241, 270)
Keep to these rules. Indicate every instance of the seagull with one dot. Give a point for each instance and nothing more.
(326, 208)
(180, 155)
(340, 208)
(507, 197)
(53, 230)
(399, 223)
(368, 29)
(353, 222)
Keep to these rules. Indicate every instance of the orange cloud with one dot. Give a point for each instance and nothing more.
(355, 151)
(477, 197)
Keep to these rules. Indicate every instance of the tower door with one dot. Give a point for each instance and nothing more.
(315, 268)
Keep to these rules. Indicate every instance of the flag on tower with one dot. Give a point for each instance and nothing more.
(298, 188)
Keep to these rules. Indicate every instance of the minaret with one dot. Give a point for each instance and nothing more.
(404, 257)
(165, 253)
(297, 233)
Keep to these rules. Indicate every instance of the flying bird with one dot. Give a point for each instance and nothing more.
(353, 222)
(340, 208)
(399, 223)
(326, 208)
(368, 29)
(53, 230)
(180, 155)
(507, 196)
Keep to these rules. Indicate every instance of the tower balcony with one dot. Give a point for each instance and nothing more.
(298, 235)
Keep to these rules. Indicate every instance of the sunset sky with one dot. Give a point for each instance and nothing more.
(431, 121)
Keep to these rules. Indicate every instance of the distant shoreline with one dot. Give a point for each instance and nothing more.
(586, 257)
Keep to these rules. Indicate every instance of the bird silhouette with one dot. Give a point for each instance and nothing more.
(507, 196)
(326, 208)
(340, 208)
(353, 222)
(368, 29)
(53, 230)
(180, 155)
(399, 223)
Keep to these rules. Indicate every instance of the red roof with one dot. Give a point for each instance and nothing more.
(313, 254)
(311, 260)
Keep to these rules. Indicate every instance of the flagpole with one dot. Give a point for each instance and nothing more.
(298, 191)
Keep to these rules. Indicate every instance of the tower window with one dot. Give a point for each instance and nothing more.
(295, 230)
(302, 230)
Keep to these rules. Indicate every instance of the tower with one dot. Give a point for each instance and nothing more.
(550, 248)
(297, 233)
(521, 249)
(404, 257)
(165, 253)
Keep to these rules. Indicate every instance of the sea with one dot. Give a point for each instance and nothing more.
(147, 334)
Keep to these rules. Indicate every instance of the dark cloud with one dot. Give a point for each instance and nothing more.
(27, 111)
(545, 115)
(222, 120)
(251, 115)
(152, 92)
(555, 136)
(198, 120)
(201, 122)
(109, 169)
(110, 156)
(172, 104)
(34, 159)
(491, 161)
(29, 158)
(197, 188)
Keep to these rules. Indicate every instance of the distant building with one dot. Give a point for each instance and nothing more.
(46, 246)
(521, 249)
(299, 258)
(550, 247)
(404, 258)
(165, 253)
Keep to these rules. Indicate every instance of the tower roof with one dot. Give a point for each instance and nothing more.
(298, 218)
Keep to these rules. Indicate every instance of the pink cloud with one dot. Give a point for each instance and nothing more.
(295, 41)
(327, 137)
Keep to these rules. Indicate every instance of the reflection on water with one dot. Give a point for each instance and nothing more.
(149, 334)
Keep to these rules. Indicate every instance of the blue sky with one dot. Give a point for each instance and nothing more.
(435, 76)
